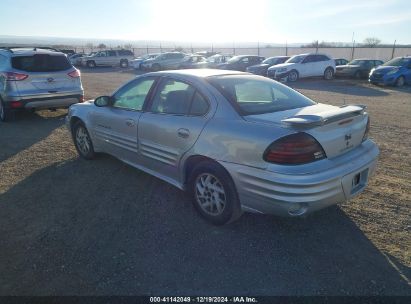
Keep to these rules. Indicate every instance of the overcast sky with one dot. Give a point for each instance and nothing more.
(210, 20)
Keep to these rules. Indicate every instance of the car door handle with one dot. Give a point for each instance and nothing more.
(130, 123)
(184, 133)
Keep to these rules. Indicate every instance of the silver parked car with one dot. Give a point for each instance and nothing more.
(36, 79)
(235, 141)
(171, 60)
(120, 58)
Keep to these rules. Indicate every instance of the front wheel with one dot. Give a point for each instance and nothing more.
(292, 76)
(124, 63)
(91, 64)
(400, 81)
(82, 141)
(328, 74)
(214, 194)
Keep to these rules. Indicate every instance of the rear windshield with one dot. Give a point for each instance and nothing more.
(41, 63)
(254, 95)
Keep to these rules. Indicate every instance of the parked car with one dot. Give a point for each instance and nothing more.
(340, 61)
(120, 58)
(241, 62)
(170, 60)
(215, 60)
(235, 141)
(36, 79)
(136, 63)
(358, 68)
(75, 59)
(193, 62)
(304, 65)
(261, 69)
(206, 54)
(396, 72)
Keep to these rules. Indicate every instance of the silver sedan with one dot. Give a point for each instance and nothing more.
(236, 142)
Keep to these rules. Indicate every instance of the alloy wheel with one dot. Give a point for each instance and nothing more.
(83, 140)
(210, 194)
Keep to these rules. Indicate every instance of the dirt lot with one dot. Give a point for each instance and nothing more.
(75, 227)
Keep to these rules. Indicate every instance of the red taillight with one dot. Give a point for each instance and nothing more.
(74, 74)
(11, 76)
(16, 104)
(367, 130)
(294, 149)
(81, 98)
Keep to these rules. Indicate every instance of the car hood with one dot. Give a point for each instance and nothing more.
(282, 65)
(346, 66)
(259, 66)
(385, 69)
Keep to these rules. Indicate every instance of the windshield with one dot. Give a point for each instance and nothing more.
(296, 59)
(397, 62)
(357, 62)
(270, 60)
(234, 59)
(253, 95)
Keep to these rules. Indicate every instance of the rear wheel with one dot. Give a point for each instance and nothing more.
(292, 76)
(124, 63)
(82, 140)
(5, 114)
(400, 81)
(214, 194)
(329, 73)
(91, 64)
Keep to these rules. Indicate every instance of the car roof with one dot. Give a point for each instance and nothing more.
(33, 51)
(199, 73)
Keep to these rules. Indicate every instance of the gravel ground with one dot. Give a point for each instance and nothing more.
(75, 227)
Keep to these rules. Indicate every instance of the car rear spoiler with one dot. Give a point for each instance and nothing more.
(323, 118)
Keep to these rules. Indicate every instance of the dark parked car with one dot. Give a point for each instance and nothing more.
(194, 62)
(340, 61)
(358, 68)
(261, 69)
(241, 63)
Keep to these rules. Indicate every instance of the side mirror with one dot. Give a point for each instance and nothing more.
(102, 101)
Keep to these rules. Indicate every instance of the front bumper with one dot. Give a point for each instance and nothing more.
(383, 80)
(267, 192)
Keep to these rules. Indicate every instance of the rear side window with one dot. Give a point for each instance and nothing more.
(199, 105)
(41, 63)
(125, 53)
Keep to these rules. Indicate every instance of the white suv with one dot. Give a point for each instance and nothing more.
(304, 65)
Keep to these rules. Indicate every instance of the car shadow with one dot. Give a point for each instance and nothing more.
(27, 128)
(342, 86)
(103, 228)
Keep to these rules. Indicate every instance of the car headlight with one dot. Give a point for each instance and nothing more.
(372, 71)
(282, 70)
(393, 71)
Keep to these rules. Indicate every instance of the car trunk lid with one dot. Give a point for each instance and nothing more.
(337, 129)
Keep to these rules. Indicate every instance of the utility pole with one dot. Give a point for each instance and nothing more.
(233, 48)
(393, 49)
(353, 43)
(286, 48)
(258, 48)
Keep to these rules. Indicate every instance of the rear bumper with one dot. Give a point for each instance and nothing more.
(262, 191)
(45, 101)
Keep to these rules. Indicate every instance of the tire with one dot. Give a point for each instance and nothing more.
(213, 193)
(91, 64)
(357, 75)
(5, 114)
(156, 67)
(124, 63)
(292, 76)
(329, 73)
(82, 141)
(400, 81)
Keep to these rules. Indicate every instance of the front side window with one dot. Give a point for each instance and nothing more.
(133, 94)
(256, 96)
(296, 59)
